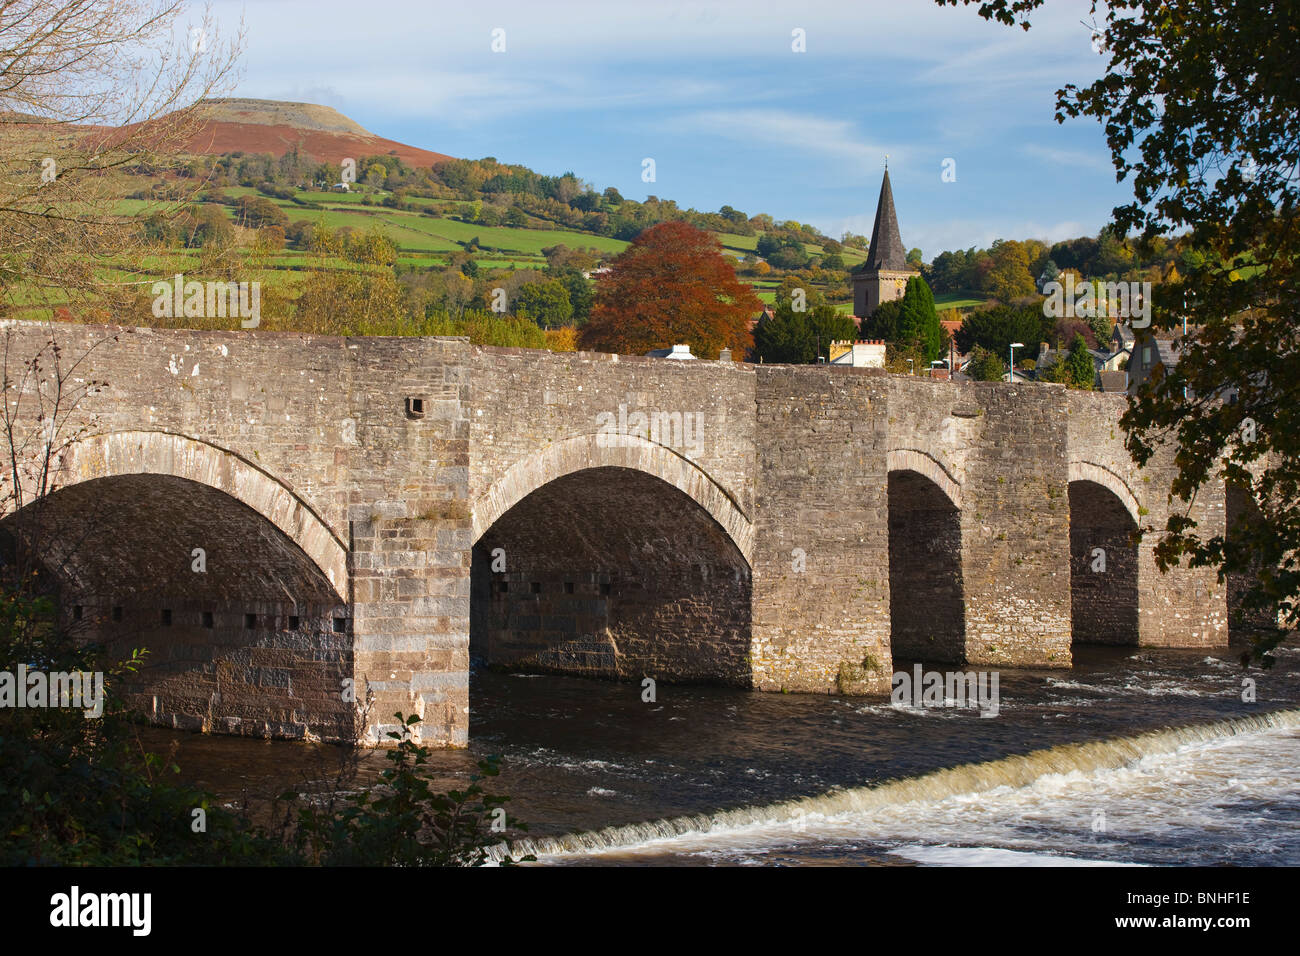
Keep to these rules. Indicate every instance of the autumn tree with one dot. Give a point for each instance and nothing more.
(361, 301)
(563, 339)
(672, 285)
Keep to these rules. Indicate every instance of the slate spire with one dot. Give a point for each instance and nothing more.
(887, 250)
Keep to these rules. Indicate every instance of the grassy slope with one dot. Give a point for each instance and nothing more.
(425, 241)
(957, 300)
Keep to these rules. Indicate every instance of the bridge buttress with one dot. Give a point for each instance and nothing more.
(821, 557)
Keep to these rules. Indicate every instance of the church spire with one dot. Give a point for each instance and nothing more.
(887, 250)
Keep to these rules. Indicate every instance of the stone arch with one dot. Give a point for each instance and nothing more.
(913, 459)
(1104, 557)
(163, 453)
(614, 451)
(1101, 475)
(926, 586)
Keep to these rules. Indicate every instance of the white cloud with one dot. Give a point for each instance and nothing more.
(792, 133)
(1070, 157)
(452, 33)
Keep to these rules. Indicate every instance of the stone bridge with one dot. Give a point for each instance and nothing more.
(284, 520)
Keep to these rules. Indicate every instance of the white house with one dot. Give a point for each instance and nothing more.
(867, 353)
(677, 352)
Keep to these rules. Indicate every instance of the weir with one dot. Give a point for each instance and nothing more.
(813, 525)
(967, 780)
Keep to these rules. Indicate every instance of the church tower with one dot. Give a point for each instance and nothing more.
(885, 273)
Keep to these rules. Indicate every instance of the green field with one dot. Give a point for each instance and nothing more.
(741, 244)
(957, 300)
(768, 297)
(417, 236)
(342, 199)
(427, 242)
(411, 231)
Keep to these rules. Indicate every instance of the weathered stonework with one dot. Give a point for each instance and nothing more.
(1183, 607)
(609, 573)
(785, 528)
(821, 565)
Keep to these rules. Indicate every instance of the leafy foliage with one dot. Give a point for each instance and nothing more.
(985, 366)
(404, 822)
(482, 328)
(996, 328)
(884, 322)
(671, 285)
(86, 792)
(546, 303)
(918, 323)
(1010, 277)
(1083, 373)
(800, 336)
(1075, 369)
(1201, 109)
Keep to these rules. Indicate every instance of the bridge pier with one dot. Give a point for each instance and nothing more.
(410, 621)
(401, 456)
(821, 559)
(1016, 531)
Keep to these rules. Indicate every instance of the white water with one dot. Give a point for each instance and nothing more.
(1221, 793)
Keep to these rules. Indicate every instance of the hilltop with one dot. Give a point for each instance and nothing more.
(271, 126)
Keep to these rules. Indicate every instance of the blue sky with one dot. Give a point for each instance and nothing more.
(715, 94)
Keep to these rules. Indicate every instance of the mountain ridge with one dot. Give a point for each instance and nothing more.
(248, 125)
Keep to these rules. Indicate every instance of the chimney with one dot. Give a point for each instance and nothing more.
(724, 355)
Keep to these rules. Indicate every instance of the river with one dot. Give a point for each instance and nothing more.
(707, 775)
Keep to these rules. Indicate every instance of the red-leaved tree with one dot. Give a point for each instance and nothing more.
(671, 286)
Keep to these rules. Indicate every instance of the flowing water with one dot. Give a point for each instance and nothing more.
(1078, 766)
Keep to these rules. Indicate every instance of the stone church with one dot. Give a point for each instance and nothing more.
(885, 273)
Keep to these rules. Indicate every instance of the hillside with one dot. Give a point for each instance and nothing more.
(257, 184)
(269, 126)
